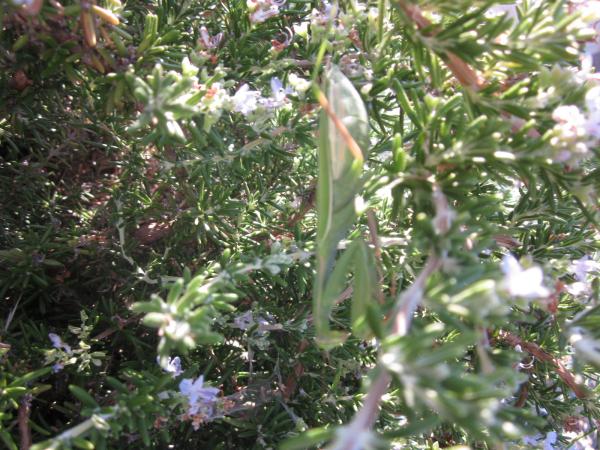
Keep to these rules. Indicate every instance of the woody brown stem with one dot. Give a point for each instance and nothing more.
(535, 350)
(23, 420)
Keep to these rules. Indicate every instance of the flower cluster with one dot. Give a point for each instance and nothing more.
(62, 354)
(201, 403)
(201, 400)
(258, 108)
(575, 130)
(210, 96)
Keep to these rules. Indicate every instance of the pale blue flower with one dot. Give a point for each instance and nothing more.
(550, 440)
(279, 92)
(540, 441)
(582, 266)
(198, 396)
(519, 282)
(58, 343)
(173, 367)
(244, 321)
(279, 95)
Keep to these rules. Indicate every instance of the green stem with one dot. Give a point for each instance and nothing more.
(381, 11)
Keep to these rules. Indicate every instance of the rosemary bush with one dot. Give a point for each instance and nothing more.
(296, 224)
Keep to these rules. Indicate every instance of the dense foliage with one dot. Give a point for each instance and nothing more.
(269, 223)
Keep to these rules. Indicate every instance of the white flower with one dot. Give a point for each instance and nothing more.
(582, 266)
(519, 282)
(299, 84)
(214, 100)
(569, 114)
(198, 396)
(58, 343)
(578, 288)
(570, 133)
(261, 10)
(261, 15)
(245, 101)
(173, 366)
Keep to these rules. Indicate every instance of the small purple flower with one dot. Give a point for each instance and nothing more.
(58, 343)
(244, 321)
(540, 441)
(582, 266)
(519, 282)
(198, 396)
(173, 366)
(207, 41)
(57, 367)
(279, 92)
(279, 97)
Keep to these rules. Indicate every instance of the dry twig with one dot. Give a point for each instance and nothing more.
(23, 420)
(542, 355)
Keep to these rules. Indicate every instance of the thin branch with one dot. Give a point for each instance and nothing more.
(76, 431)
(411, 298)
(535, 350)
(407, 303)
(523, 393)
(122, 324)
(23, 420)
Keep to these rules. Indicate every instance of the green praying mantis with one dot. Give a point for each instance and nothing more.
(343, 140)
